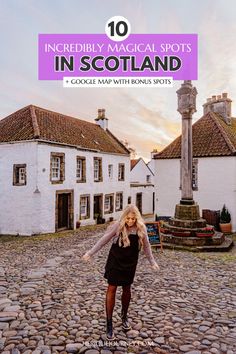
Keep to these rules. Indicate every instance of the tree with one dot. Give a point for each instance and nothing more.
(225, 216)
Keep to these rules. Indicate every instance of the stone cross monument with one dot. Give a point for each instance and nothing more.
(186, 107)
(187, 209)
(185, 227)
(187, 214)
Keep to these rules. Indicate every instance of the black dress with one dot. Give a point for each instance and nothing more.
(122, 261)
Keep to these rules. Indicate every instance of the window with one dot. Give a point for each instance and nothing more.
(56, 168)
(129, 200)
(194, 175)
(121, 172)
(119, 201)
(57, 171)
(148, 178)
(108, 203)
(19, 175)
(81, 169)
(97, 169)
(84, 207)
(110, 171)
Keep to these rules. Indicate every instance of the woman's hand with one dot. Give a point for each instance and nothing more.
(155, 267)
(86, 257)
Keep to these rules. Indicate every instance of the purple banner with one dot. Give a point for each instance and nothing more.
(95, 55)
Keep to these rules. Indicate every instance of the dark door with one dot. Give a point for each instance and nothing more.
(97, 206)
(139, 202)
(63, 211)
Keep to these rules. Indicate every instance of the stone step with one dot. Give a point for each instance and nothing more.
(223, 247)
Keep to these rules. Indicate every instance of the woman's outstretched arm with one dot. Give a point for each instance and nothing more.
(110, 232)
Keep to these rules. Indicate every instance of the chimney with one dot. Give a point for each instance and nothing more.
(219, 104)
(153, 153)
(101, 119)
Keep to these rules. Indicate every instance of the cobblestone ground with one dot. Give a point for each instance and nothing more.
(51, 302)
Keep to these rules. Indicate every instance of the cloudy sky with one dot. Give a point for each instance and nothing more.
(147, 117)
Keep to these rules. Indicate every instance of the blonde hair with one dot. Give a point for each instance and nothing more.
(139, 223)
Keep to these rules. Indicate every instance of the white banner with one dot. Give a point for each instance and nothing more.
(123, 82)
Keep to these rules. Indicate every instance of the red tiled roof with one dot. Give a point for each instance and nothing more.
(211, 137)
(37, 123)
(134, 163)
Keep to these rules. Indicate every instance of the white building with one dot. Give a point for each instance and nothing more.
(142, 186)
(214, 163)
(56, 171)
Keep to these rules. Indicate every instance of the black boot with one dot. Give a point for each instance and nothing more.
(125, 322)
(110, 335)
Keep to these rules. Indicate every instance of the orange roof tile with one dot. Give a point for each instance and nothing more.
(37, 123)
(211, 137)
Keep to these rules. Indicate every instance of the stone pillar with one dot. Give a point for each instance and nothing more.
(186, 107)
(186, 160)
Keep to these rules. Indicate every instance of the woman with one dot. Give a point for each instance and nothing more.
(129, 236)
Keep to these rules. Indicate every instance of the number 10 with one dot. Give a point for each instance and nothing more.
(119, 29)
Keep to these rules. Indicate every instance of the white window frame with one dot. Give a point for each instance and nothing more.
(148, 178)
(22, 175)
(79, 169)
(108, 206)
(96, 170)
(121, 167)
(56, 168)
(84, 205)
(107, 203)
(119, 201)
(19, 174)
(110, 171)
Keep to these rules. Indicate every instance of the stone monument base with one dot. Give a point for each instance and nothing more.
(187, 219)
(178, 224)
(174, 244)
(188, 230)
(187, 212)
(217, 239)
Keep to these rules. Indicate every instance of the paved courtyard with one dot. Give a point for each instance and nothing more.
(52, 302)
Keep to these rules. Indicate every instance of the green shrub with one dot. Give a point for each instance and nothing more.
(225, 216)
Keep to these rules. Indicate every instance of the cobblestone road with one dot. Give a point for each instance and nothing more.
(51, 302)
